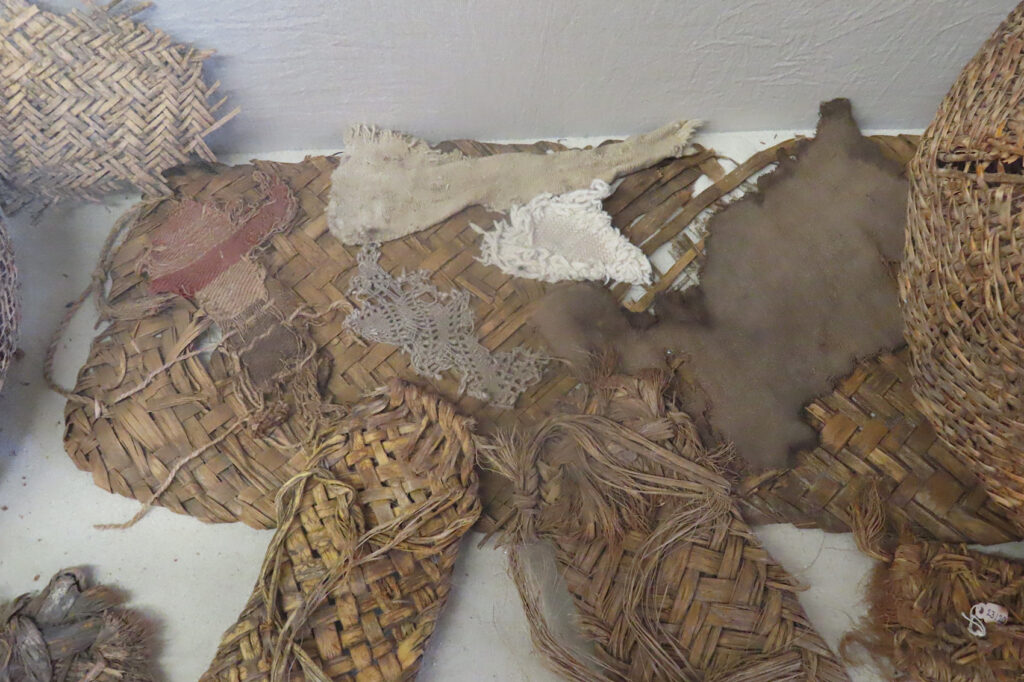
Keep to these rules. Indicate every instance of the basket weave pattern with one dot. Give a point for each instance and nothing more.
(94, 102)
(870, 429)
(359, 568)
(963, 281)
(10, 306)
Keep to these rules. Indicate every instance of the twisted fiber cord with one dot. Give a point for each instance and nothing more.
(97, 284)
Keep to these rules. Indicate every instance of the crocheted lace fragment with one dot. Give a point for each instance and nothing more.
(437, 329)
(564, 237)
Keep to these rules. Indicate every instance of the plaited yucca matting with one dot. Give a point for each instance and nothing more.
(669, 581)
(94, 102)
(360, 565)
(963, 281)
(130, 444)
(870, 429)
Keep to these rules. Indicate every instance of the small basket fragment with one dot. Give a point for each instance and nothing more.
(71, 631)
(95, 102)
(936, 611)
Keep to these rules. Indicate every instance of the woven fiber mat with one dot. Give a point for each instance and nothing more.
(137, 409)
(94, 102)
(360, 566)
(870, 429)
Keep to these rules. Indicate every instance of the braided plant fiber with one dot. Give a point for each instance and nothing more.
(71, 631)
(668, 580)
(963, 279)
(360, 565)
(95, 102)
(917, 597)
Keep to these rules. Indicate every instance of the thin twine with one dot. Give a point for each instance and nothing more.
(96, 284)
(168, 479)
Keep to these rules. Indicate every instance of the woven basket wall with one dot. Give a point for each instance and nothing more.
(93, 103)
(677, 588)
(962, 283)
(10, 307)
(360, 565)
(870, 429)
(129, 447)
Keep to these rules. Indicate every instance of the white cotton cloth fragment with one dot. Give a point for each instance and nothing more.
(564, 237)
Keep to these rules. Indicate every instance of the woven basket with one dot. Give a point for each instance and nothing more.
(71, 631)
(962, 282)
(95, 102)
(669, 581)
(10, 308)
(870, 429)
(130, 447)
(360, 565)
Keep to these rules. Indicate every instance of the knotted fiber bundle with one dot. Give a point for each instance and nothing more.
(360, 565)
(963, 280)
(919, 598)
(94, 102)
(669, 581)
(71, 631)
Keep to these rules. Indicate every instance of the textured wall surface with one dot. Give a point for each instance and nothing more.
(303, 70)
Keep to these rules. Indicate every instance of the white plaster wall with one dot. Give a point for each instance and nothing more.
(303, 70)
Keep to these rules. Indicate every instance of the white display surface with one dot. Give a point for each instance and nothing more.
(194, 578)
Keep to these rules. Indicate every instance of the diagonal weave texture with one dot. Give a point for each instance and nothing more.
(130, 444)
(359, 568)
(10, 305)
(669, 581)
(870, 429)
(963, 281)
(94, 102)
